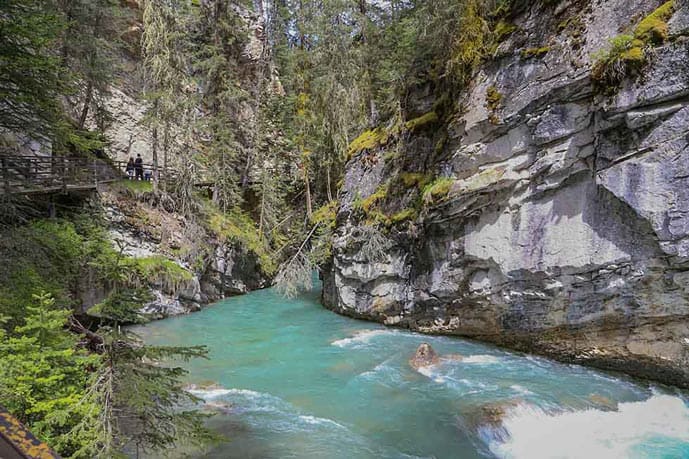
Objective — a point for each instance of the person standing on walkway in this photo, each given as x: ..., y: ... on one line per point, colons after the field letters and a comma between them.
x: 139, y: 167
x: 130, y: 169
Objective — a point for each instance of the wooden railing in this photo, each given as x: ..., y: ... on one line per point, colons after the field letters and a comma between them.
x: 44, y: 174
x: 16, y: 442
x: 30, y: 174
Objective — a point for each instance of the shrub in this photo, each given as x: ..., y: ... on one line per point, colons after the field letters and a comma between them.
x: 403, y: 215
x: 413, y: 179
x: 625, y: 56
x: 326, y: 215
x: 493, y: 98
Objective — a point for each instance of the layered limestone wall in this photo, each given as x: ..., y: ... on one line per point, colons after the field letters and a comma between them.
x: 566, y: 228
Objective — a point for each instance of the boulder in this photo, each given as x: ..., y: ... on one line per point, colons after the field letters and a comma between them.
x: 424, y: 356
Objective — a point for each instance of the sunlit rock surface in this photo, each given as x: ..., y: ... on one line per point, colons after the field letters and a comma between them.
x: 566, y: 230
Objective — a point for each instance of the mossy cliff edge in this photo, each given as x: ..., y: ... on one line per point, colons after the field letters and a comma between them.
x: 546, y: 210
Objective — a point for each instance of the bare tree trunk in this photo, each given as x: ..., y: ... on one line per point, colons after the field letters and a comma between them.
x: 309, y: 210
x: 263, y: 207
x: 166, y: 146
x: 327, y: 176
x: 155, y: 159
x: 87, y: 103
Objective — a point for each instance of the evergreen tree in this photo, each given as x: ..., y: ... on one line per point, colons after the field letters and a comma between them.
x: 30, y: 80
x: 43, y: 376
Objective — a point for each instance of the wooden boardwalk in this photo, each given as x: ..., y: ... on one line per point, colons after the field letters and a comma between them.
x: 35, y: 174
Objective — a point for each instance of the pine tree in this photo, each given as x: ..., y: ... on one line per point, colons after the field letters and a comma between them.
x: 30, y: 80
x: 43, y: 376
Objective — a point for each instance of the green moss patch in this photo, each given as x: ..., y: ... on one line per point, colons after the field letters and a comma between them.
x: 373, y: 200
x: 626, y: 55
x: 438, y: 190
x: 326, y: 215
x: 653, y: 28
x: 421, y: 122
x: 368, y: 140
x: 529, y: 53
x: 237, y: 226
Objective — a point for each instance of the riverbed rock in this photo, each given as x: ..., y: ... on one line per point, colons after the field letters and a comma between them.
x: 424, y: 356
x: 565, y: 229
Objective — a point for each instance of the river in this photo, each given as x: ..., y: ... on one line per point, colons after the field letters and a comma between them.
x: 303, y: 382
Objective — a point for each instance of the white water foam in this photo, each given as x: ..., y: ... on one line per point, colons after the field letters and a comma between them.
x: 520, y: 389
x: 431, y: 371
x: 532, y: 433
x: 313, y: 420
x: 362, y: 337
x: 481, y: 359
x: 209, y: 394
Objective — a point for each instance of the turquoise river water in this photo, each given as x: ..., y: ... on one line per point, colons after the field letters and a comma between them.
x: 297, y: 381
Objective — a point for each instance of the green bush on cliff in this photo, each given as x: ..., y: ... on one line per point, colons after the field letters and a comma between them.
x: 54, y: 256
x: 237, y: 226
x: 626, y: 55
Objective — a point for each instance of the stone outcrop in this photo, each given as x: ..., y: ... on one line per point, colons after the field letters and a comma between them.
x: 217, y: 269
x: 565, y: 230
x: 424, y: 356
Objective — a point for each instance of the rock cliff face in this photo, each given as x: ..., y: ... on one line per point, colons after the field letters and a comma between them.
x: 565, y: 228
x: 215, y: 269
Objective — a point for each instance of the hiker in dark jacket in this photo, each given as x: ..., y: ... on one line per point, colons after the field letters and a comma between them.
x: 139, y: 167
x: 130, y: 168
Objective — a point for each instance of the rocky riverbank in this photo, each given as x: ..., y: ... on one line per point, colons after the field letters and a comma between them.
x: 555, y: 218
x: 214, y: 266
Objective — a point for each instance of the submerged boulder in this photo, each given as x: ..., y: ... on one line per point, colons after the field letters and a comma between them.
x: 425, y: 355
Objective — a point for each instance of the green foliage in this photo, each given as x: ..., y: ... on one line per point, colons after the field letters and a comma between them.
x: 374, y: 199
x: 326, y: 215
x: 142, y: 405
x: 237, y: 226
x: 43, y: 379
x: 413, y: 179
x: 404, y: 215
x: 625, y: 56
x: 368, y: 140
x: 49, y: 255
x: 503, y: 29
x: 493, y: 98
x: 133, y: 187
x: 158, y: 270
x: 438, y: 190
x: 653, y: 28
x: 29, y: 69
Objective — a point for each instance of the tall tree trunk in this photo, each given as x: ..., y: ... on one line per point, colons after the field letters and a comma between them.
x: 263, y: 206
x: 309, y: 210
x: 166, y: 146
x: 155, y: 159
x: 327, y: 176
x: 87, y: 104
